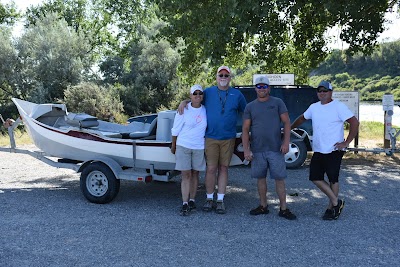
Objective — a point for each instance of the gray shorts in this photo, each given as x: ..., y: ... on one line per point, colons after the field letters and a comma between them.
x: 272, y: 161
x: 189, y: 159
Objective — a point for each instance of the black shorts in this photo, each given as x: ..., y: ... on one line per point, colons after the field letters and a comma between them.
x: 326, y: 163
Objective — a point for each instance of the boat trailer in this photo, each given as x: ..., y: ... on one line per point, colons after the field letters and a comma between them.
x: 100, y: 177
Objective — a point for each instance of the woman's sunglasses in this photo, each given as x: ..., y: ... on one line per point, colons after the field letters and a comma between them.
x: 198, y: 93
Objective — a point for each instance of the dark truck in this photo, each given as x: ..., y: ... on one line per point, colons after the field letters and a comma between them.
x: 297, y: 99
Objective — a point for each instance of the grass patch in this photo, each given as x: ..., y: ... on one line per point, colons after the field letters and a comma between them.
x: 371, y: 130
x: 21, y: 138
x: 370, y: 134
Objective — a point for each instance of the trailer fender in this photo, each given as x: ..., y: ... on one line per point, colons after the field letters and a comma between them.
x: 112, y: 164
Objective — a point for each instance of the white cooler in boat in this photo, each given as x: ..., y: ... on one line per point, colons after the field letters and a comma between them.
x: 165, y: 121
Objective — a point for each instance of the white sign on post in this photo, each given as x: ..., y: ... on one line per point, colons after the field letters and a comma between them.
x: 278, y: 79
x: 387, y: 102
x: 388, y: 105
x: 350, y: 99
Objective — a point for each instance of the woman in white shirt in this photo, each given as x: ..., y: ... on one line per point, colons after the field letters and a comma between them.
x: 188, y: 146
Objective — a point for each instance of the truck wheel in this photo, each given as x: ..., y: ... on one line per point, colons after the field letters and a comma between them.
x: 98, y: 183
x: 297, y: 154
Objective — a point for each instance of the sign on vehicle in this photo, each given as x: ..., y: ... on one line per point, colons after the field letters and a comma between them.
x: 278, y: 79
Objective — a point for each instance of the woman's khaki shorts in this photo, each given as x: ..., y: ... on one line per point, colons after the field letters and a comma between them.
x: 219, y: 152
x: 189, y: 159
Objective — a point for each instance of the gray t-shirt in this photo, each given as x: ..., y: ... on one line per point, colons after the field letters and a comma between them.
x: 265, y: 124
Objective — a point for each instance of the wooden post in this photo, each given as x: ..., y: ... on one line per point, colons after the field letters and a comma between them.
x: 356, y: 143
x: 386, y: 142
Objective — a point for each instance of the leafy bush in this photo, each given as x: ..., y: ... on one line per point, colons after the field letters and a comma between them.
x: 102, y: 102
x: 341, y: 77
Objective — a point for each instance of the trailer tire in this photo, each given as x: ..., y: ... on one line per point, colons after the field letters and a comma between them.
x: 297, y: 154
x: 98, y: 183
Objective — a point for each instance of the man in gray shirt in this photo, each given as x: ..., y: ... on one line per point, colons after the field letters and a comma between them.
x: 263, y: 117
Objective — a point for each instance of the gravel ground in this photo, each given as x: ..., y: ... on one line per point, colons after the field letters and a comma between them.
x: 46, y: 221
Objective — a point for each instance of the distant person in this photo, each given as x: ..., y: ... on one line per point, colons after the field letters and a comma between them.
x: 188, y: 146
x: 263, y: 117
x: 223, y: 104
x: 8, y: 122
x: 328, y: 117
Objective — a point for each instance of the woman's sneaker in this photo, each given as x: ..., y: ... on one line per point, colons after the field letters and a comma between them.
x: 287, y: 214
x: 259, y: 210
x: 185, y: 210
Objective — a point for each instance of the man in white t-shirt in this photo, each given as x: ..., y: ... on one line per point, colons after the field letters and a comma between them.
x: 328, y: 117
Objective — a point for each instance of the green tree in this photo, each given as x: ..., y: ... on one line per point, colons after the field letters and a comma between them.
x: 83, y: 17
x: 108, y: 24
x: 113, y: 69
x: 152, y: 77
x: 9, y: 66
x: 8, y: 14
x: 273, y: 32
x: 149, y: 74
x: 53, y: 57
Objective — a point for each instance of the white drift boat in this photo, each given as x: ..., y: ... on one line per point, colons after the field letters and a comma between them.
x: 81, y: 137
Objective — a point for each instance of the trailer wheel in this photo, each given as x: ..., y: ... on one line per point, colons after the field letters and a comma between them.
x: 297, y: 154
x: 98, y: 183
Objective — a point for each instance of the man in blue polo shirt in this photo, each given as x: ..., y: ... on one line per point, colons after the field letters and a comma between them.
x: 223, y: 104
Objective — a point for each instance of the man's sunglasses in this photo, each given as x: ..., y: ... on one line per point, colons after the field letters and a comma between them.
x: 198, y: 93
x: 265, y: 86
x: 322, y: 91
x: 224, y: 75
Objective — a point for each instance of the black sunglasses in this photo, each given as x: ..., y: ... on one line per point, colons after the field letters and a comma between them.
x: 224, y: 75
x: 322, y: 91
x: 198, y: 93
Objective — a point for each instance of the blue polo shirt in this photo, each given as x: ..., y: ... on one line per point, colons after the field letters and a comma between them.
x: 223, y: 109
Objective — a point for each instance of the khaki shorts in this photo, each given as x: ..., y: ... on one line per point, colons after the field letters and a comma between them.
x: 219, y: 152
x: 189, y: 159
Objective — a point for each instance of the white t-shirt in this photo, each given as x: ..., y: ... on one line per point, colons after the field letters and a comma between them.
x: 327, y: 122
x: 190, y: 127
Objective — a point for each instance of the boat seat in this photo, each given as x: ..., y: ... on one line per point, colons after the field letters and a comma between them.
x: 146, y: 130
x: 82, y: 120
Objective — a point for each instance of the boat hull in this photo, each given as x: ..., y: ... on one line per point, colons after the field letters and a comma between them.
x: 85, y: 145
